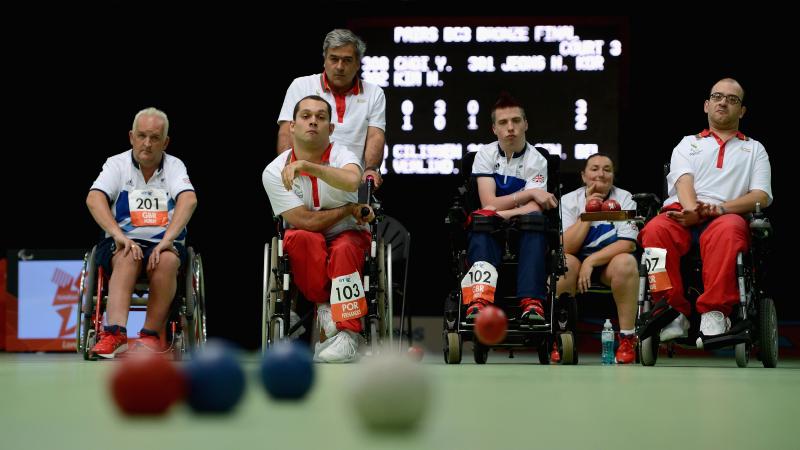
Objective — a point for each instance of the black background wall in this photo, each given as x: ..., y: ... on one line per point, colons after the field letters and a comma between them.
x: 73, y: 84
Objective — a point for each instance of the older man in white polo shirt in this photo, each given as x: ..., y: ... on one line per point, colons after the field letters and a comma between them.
x: 715, y: 176
x: 360, y: 107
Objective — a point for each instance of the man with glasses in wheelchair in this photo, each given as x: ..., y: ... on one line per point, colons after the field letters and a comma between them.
x: 715, y: 177
x: 143, y: 200
x: 512, y: 181
x: 313, y: 186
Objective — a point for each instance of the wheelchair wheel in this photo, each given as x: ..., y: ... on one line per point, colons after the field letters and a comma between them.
x: 742, y: 352
x: 480, y: 352
x: 384, y: 294
x: 85, y: 308
x: 452, y: 348
x: 374, y: 337
x: 270, y: 333
x: 768, y: 333
x: 193, y: 335
x: 567, y: 348
x: 648, y: 351
x: 265, y: 293
x: 544, y: 351
x: 90, y: 340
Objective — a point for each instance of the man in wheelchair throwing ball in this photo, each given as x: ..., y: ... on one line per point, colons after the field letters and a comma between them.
x: 313, y: 186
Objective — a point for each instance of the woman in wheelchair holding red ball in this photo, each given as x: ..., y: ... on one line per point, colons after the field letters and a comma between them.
x: 602, y: 245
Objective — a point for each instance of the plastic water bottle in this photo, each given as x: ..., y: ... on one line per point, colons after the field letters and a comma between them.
x: 607, y: 340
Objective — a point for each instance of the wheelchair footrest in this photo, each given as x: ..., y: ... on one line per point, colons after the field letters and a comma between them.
x: 738, y: 334
x: 726, y: 340
x: 653, y: 321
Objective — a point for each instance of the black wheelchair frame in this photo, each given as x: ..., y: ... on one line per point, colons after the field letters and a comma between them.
x: 754, y: 320
x: 561, y: 318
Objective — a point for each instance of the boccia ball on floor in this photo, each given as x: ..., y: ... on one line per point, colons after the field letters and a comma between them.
x: 146, y: 384
x: 215, y: 379
x: 390, y: 393
x: 287, y: 371
x: 416, y: 353
x: 491, y: 325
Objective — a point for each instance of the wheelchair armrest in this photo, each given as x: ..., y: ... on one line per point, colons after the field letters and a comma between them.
x: 760, y: 228
x: 485, y: 224
x: 647, y: 205
x: 531, y: 222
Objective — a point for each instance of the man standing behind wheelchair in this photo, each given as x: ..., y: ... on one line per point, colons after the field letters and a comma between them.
x: 602, y: 245
x: 143, y: 200
x: 313, y: 186
x: 512, y: 181
x: 715, y: 177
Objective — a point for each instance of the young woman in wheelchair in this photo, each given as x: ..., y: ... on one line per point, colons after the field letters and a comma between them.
x: 602, y: 250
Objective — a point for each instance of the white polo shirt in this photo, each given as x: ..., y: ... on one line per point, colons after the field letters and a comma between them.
x: 722, y: 171
x: 601, y: 233
x: 143, y: 209
x: 362, y: 107
x: 527, y: 169
x: 311, y: 192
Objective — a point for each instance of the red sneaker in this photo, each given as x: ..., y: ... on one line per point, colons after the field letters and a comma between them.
x: 148, y: 343
x: 555, y: 357
x: 474, y: 308
x: 532, y: 310
x: 110, y: 344
x: 626, y: 352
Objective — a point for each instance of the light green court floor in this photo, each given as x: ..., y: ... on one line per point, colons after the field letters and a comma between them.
x: 58, y: 401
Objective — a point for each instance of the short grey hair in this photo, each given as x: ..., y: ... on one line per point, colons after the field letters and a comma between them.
x: 341, y: 37
x: 152, y: 112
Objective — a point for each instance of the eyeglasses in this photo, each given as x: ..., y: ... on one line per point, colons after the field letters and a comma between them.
x: 732, y: 99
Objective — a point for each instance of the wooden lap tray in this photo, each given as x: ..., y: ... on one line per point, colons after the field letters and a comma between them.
x: 608, y: 215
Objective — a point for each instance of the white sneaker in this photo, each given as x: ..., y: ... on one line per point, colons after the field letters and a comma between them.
x: 712, y: 323
x: 342, y: 348
x: 293, y: 319
x: 678, y: 328
x: 325, y: 320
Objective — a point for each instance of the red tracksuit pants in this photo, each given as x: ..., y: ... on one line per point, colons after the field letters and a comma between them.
x: 720, y: 241
x: 315, y: 262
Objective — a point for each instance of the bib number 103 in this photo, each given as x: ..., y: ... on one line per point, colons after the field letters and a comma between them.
x: 347, y: 298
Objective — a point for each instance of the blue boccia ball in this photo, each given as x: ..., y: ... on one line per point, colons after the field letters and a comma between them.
x: 287, y: 371
x: 215, y: 379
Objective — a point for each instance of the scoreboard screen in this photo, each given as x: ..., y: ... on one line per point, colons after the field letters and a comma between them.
x: 442, y: 76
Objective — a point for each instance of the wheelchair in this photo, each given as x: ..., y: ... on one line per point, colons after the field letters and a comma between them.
x: 186, y: 322
x: 559, y: 326
x: 280, y: 297
x: 754, y: 322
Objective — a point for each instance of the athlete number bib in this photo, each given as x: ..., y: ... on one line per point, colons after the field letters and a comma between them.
x: 655, y: 259
x: 347, y: 298
x: 148, y: 207
x: 480, y: 282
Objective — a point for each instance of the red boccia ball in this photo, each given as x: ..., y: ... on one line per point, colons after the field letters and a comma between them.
x: 146, y: 385
x: 491, y: 325
x: 594, y: 205
x: 611, y: 205
x: 416, y: 353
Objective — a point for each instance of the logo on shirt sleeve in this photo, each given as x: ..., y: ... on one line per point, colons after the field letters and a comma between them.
x: 539, y: 178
